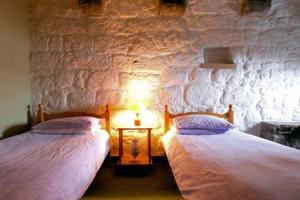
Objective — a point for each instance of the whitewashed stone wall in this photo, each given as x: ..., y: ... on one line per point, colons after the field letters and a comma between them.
x: 81, y: 62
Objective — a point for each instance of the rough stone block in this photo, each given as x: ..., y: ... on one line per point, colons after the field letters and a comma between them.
x: 81, y: 100
x: 108, y: 97
x: 139, y: 92
x: 226, y: 7
x: 39, y: 42
x: 273, y: 23
x: 294, y: 38
x: 242, y: 97
x: 61, y: 26
x: 200, y: 94
x: 252, y: 118
x: 294, y: 20
x: 142, y: 45
x: 83, y: 60
x: 174, y: 77
x: 106, y: 80
x: 229, y: 37
x: 293, y: 53
x: 41, y: 84
x: 134, y: 8
x: 64, y: 78
x: 46, y: 60
x: 189, y: 59
x: 222, y: 76
x: 80, y: 79
x: 168, y: 43
x: 249, y: 22
x: 55, y: 101
x: 273, y: 37
x: 76, y: 60
x: 138, y: 64
x: 149, y: 25
x: 173, y: 97
x: 55, y: 43
x: 204, y: 22
x: 140, y: 81
x: 267, y: 53
x: 111, y: 44
x: 82, y: 43
x: 201, y: 75
x: 108, y: 26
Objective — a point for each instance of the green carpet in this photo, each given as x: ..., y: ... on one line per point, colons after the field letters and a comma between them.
x: 136, y: 183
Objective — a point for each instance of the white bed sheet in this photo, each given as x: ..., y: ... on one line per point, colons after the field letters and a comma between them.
x: 233, y: 165
x: 50, y: 167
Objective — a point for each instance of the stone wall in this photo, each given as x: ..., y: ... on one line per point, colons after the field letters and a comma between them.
x: 83, y: 62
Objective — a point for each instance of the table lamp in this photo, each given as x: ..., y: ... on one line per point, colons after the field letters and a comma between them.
x: 137, y: 107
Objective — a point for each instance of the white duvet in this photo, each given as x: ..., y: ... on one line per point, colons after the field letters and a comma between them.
x: 232, y: 166
x: 50, y: 167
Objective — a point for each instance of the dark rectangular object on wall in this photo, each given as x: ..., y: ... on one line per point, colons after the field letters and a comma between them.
x: 171, y: 7
x: 218, y: 58
x: 90, y: 2
x: 250, y: 6
x: 258, y: 5
x: 172, y: 2
x: 91, y: 7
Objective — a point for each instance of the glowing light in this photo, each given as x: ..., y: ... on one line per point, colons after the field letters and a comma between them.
x: 138, y: 93
x: 125, y: 118
x: 136, y: 98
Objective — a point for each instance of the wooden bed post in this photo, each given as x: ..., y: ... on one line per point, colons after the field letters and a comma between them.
x: 167, y: 120
x: 230, y: 114
x: 107, y: 118
x: 40, y: 113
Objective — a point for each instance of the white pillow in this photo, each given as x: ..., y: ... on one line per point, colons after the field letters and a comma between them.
x: 70, y: 125
x: 198, y: 121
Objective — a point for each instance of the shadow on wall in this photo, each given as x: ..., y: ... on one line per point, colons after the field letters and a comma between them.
x: 19, y: 128
x: 15, y: 130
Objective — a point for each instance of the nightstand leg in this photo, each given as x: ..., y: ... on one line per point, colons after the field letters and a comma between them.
x: 149, y: 145
x: 120, y: 145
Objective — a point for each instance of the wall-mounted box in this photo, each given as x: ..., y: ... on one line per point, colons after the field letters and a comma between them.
x: 250, y: 6
x: 91, y: 7
x: 171, y: 7
x: 219, y: 57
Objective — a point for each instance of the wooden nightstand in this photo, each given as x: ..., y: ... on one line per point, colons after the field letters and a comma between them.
x: 141, y: 159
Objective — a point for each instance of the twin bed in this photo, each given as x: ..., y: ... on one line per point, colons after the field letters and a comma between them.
x: 209, y: 158
x: 58, y: 159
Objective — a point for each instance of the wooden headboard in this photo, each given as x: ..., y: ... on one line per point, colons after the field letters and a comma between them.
x: 43, y: 116
x: 228, y: 115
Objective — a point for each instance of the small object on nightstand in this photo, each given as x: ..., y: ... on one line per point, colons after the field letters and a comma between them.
x: 137, y: 121
x: 134, y: 148
x: 135, y: 158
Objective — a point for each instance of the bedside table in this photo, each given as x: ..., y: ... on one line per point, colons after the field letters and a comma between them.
x: 141, y: 159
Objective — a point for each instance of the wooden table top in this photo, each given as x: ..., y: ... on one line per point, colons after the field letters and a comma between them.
x: 135, y: 128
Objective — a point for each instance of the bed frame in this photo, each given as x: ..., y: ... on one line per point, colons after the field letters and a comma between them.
x: 43, y: 116
x: 229, y: 116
